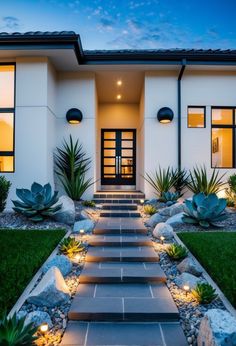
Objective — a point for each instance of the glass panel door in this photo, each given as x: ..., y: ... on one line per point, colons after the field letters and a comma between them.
x: 118, y: 166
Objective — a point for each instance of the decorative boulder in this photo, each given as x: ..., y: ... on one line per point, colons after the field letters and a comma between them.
x: 189, y: 266
x: 172, y: 210
x: 154, y: 219
x: 67, y: 213
x: 83, y: 215
x: 163, y: 230
x: 187, y: 279
x: 217, y: 328
x: 176, y: 219
x: 38, y: 318
x: 61, y: 262
x: 86, y: 225
x: 51, y: 290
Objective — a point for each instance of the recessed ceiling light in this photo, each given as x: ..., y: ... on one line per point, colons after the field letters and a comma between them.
x: 119, y: 82
x: 118, y: 97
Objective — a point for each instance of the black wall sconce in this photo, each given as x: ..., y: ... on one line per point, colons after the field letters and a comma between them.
x: 165, y: 115
x: 74, y: 116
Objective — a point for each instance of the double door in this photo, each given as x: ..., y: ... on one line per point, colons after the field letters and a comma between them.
x: 118, y: 166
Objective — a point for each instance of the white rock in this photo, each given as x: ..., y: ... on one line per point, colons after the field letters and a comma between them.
x: 84, y: 215
x: 164, y: 230
x: 176, y: 219
x: 154, y: 219
x: 217, y: 328
x: 86, y: 225
x: 172, y: 210
x: 189, y: 266
x: 67, y: 213
x: 61, y: 262
x: 51, y: 290
x: 187, y: 279
x: 38, y: 318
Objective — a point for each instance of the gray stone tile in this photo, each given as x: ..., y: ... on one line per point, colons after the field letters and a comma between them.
x: 173, y: 334
x: 124, y: 334
x: 100, y: 275
x: 161, y: 291
x: 151, y: 275
x: 121, y: 290
x: 86, y: 290
x: 122, y: 265
x: 75, y: 334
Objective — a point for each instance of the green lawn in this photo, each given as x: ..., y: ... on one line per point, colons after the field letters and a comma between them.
x: 22, y: 252
x: 216, y: 251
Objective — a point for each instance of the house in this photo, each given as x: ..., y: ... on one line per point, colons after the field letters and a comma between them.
x: 140, y: 109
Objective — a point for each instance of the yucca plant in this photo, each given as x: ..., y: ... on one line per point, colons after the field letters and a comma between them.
x: 161, y: 180
x: 70, y: 246
x: 204, y: 293
x: 4, y: 190
x: 205, y: 210
x: 72, y: 165
x: 180, y: 180
x: 149, y: 209
x: 176, y: 252
x: 37, y: 203
x: 231, y: 191
x: 199, y: 181
x: 14, y: 332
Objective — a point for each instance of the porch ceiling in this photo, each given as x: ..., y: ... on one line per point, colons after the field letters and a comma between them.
x: 130, y: 90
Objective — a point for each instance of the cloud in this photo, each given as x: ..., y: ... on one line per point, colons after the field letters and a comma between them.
x: 9, y: 23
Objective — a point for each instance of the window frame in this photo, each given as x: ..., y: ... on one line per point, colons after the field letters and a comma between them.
x: 195, y: 106
x: 226, y: 126
x: 10, y: 110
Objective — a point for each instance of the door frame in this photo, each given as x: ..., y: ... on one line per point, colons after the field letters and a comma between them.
x: 104, y: 182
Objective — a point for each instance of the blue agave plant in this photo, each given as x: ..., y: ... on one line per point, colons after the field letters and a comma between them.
x: 169, y: 196
x: 205, y: 210
x: 37, y: 203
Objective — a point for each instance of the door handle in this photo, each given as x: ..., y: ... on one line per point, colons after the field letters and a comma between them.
x: 117, y: 165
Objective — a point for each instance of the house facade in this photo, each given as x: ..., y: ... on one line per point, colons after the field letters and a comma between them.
x: 122, y: 96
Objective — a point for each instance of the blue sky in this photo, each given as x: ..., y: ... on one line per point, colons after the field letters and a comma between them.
x: 140, y: 24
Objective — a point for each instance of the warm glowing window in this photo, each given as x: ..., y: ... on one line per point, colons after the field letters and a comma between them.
x: 196, y: 117
x: 7, y: 114
x: 222, y: 137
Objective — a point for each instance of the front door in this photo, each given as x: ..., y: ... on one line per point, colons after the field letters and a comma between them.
x: 118, y: 166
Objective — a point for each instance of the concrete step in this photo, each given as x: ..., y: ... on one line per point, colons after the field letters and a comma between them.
x: 123, y: 309
x: 121, y: 272
x: 117, y: 213
x: 118, y: 206
x: 119, y: 195
x: 118, y: 201
x: 126, y: 333
x: 118, y: 240
x: 117, y: 254
x: 119, y: 231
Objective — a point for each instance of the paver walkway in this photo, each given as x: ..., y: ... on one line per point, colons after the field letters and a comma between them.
x: 122, y: 298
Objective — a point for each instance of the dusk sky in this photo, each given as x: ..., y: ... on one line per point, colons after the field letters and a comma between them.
x: 139, y: 24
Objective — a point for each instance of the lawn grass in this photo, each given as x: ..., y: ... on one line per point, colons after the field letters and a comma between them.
x: 22, y: 252
x: 216, y: 251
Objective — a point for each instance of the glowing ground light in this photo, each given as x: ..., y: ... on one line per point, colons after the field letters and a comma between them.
x: 43, y: 328
x: 162, y: 239
x: 186, y: 288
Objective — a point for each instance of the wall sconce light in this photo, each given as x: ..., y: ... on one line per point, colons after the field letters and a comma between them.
x: 165, y: 115
x: 74, y: 116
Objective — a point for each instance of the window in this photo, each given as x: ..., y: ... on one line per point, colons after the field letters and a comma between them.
x: 7, y: 115
x: 223, y: 137
x: 196, y: 116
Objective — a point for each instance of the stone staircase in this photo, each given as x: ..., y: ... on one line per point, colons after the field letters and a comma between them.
x: 122, y: 298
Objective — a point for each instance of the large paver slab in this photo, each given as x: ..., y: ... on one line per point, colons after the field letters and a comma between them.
x: 119, y: 225
x: 118, y: 240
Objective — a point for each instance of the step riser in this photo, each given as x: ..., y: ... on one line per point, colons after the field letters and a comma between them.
x: 118, y: 231
x: 159, y: 317
x: 121, y: 259
x: 118, y: 280
x: 134, y: 243
x: 119, y: 196
x: 117, y: 201
x: 119, y: 207
x: 114, y: 214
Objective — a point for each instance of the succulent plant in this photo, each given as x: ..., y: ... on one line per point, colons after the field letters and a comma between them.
x: 4, y: 190
x: 204, y: 293
x: 205, y: 210
x: 70, y: 246
x: 14, y: 332
x: 169, y: 196
x: 90, y: 204
x: 37, y: 203
x: 149, y: 209
x: 176, y: 252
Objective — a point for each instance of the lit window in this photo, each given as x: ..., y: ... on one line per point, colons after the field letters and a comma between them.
x: 7, y: 114
x: 196, y: 117
x: 222, y: 137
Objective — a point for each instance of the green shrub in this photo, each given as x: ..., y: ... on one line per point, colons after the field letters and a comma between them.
x: 205, y: 210
x: 13, y: 332
x: 70, y: 246
x: 231, y: 191
x: 200, y: 182
x: 162, y: 180
x: 4, y: 190
x: 176, y: 252
x: 149, y: 209
x: 90, y: 204
x: 37, y: 203
x: 204, y: 293
x: 71, y: 168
